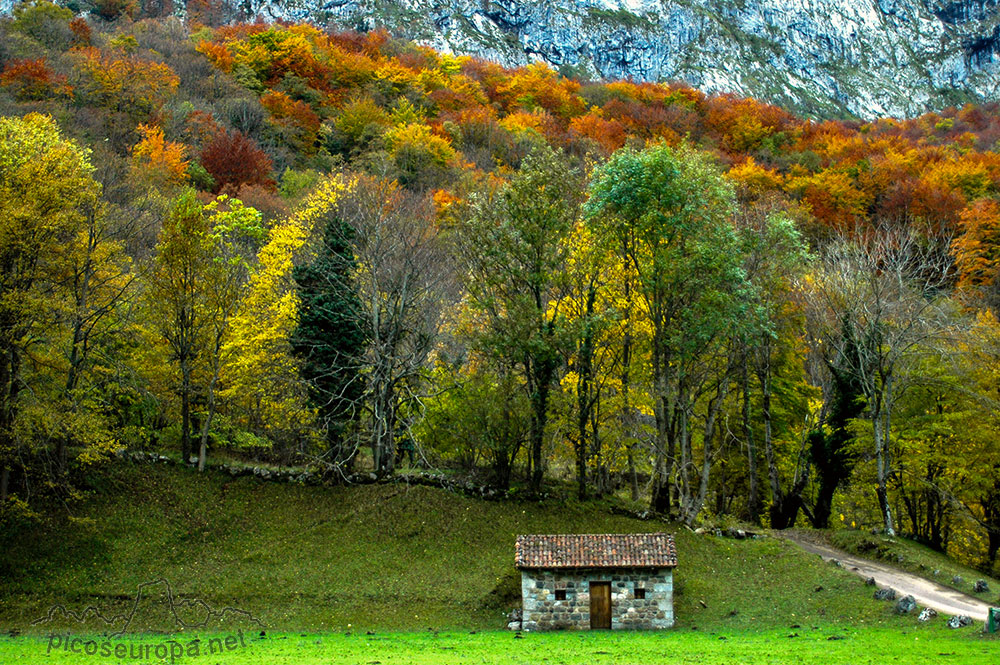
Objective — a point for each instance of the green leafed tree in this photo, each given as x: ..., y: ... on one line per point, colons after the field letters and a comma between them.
x: 514, y: 247
x: 672, y: 212
x: 194, y: 289
x: 329, y: 337
x: 46, y: 187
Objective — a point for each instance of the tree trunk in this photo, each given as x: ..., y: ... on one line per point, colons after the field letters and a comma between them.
x: 185, y: 413
x: 784, y: 507
x: 10, y: 364
x: 661, y: 500
x: 684, y: 470
x: 992, y: 546
x: 633, y: 474
x: 539, y: 372
x: 882, y: 470
x: 698, y: 501
x: 935, y: 517
x: 823, y: 508
x: 785, y: 512
x: 383, y: 426
x: 753, y: 500
x: 583, y: 388
x: 581, y: 465
x: 602, y: 472
x: 206, y: 427
x: 539, y: 418
x: 628, y: 419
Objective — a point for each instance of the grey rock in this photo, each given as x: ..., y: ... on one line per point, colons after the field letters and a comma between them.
x: 870, y: 581
x: 906, y: 604
x: 981, y: 587
x: 960, y: 621
x: 927, y: 614
x: 957, y: 580
x: 514, y: 625
x: 885, y: 594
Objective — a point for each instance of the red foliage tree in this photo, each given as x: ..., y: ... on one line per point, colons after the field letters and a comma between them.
x: 233, y: 158
x: 33, y: 80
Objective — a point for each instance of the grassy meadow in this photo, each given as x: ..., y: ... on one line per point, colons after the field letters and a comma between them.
x: 427, y: 572
x: 822, y: 645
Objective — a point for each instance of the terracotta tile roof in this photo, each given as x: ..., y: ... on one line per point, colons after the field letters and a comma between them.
x: 632, y: 550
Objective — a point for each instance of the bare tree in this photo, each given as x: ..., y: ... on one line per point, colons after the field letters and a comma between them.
x: 403, y: 282
x: 873, y: 303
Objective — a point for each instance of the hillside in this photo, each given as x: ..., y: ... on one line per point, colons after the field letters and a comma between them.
x: 826, y: 58
x: 830, y: 57
x: 378, y: 557
x: 291, y: 245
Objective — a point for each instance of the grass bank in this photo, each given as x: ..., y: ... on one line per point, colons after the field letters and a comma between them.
x: 377, y: 557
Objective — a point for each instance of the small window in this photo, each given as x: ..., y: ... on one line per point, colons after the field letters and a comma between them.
x: 640, y: 594
x: 560, y: 594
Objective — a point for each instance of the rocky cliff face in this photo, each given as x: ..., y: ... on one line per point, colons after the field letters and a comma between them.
x: 823, y: 57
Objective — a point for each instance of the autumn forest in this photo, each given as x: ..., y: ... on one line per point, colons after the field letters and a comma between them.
x: 283, y: 245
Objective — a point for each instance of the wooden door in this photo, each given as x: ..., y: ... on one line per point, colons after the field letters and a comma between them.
x: 600, y: 605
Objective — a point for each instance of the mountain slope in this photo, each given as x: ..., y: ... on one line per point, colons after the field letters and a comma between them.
x: 824, y: 57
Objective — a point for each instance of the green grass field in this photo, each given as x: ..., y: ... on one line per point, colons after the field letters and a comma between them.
x: 421, y: 568
x: 825, y: 644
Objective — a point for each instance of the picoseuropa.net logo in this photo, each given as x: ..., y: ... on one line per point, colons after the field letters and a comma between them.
x: 154, y: 608
x: 172, y: 650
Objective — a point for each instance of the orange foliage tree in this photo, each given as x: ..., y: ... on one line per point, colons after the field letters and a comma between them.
x: 609, y: 134
x: 161, y: 160
x: 977, y: 247
x: 123, y: 82
x: 294, y: 117
x: 539, y: 86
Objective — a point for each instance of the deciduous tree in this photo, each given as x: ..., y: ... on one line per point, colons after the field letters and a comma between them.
x: 46, y: 189
x: 672, y: 211
x: 514, y: 251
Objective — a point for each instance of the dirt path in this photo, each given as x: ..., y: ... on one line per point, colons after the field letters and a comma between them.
x: 927, y: 594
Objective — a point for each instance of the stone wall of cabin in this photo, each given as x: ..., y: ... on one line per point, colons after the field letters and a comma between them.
x: 541, y: 610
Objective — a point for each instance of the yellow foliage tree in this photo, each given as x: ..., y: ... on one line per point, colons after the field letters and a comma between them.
x: 261, y: 375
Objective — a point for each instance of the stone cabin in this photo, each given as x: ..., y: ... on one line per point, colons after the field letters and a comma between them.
x: 611, y: 581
